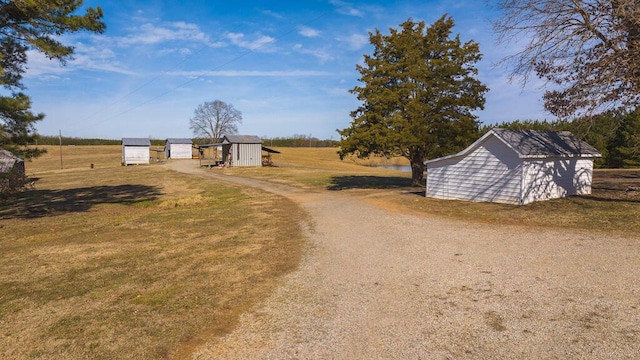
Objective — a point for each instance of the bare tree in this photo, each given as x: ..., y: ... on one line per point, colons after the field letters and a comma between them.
x: 214, y: 119
x: 588, y: 51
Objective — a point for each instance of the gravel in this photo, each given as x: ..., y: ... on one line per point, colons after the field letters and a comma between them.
x: 376, y: 284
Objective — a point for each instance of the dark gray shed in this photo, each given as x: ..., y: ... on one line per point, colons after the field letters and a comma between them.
x: 242, y: 150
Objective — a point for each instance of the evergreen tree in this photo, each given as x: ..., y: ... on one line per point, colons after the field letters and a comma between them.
x: 33, y: 25
x: 624, y: 147
x: 418, y: 93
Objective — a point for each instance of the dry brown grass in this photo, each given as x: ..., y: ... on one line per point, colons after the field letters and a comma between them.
x: 614, y: 205
x: 134, y: 262
x: 141, y: 262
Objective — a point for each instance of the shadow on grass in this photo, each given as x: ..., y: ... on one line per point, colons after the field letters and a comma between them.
x: 368, y: 182
x: 39, y: 203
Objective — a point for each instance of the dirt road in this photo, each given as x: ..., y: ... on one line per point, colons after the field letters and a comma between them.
x: 383, y: 285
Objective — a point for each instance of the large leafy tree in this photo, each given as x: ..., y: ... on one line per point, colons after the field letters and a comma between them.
x: 587, y: 50
x: 214, y: 119
x: 33, y: 25
x: 418, y: 94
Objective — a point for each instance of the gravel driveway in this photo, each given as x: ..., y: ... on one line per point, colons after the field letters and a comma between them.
x: 377, y: 284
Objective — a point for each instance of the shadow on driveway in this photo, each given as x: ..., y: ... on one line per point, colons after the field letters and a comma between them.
x: 368, y: 182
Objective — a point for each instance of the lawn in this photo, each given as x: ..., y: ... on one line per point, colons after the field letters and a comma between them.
x: 613, y: 206
x: 133, y: 262
x: 105, y: 261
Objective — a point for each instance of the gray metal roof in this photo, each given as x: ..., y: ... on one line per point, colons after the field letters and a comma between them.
x: 539, y: 143
x: 242, y: 139
x: 271, y: 151
x: 179, y: 141
x: 136, y: 141
x: 533, y: 144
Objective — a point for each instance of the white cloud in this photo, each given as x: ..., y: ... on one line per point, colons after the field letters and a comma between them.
x: 250, y: 73
x: 149, y: 34
x: 273, y: 14
x: 85, y: 58
x: 345, y: 8
x: 308, y: 32
x: 239, y: 40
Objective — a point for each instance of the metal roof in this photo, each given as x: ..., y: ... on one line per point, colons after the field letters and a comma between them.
x: 539, y: 143
x: 271, y: 151
x: 242, y: 139
x: 532, y: 144
x: 136, y: 141
x: 179, y: 141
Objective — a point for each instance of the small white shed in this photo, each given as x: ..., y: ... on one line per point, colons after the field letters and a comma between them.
x: 178, y: 149
x: 135, y: 151
x: 241, y: 150
x: 514, y: 167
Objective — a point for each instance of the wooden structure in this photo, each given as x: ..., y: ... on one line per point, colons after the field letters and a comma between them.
x: 210, y: 155
x: 266, y: 158
x: 12, y: 170
x: 135, y: 151
x: 178, y: 149
x: 514, y: 167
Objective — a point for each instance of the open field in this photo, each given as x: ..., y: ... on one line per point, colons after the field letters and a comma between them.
x: 133, y: 262
x: 613, y: 206
x: 144, y: 262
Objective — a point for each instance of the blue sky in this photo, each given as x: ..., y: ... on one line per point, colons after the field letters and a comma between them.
x: 286, y: 65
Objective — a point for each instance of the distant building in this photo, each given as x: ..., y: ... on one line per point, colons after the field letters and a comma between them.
x: 514, y: 167
x: 178, y: 149
x: 241, y: 150
x: 135, y: 151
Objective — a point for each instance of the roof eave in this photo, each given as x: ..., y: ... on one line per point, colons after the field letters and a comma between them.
x: 471, y: 147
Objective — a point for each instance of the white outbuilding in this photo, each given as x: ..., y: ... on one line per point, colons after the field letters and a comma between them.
x: 178, y: 149
x: 135, y: 151
x: 514, y: 167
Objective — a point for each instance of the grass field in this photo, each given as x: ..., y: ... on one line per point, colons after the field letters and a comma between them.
x: 613, y: 206
x: 133, y: 262
x: 141, y: 262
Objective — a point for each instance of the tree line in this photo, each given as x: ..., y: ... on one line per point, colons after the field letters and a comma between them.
x: 291, y: 141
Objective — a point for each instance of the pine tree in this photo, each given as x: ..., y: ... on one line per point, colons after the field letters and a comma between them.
x: 35, y: 25
x: 419, y: 90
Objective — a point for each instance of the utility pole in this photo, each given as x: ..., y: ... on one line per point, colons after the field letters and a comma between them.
x: 60, y: 141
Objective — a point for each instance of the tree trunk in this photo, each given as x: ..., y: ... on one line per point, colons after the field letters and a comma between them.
x: 417, y: 171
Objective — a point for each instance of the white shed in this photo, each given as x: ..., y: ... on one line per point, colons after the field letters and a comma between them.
x: 242, y: 150
x: 178, y: 149
x: 135, y: 151
x: 514, y: 167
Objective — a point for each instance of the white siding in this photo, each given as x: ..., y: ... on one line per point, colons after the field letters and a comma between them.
x: 246, y: 155
x: 552, y: 179
x: 178, y: 151
x: 135, y: 155
x: 491, y: 172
